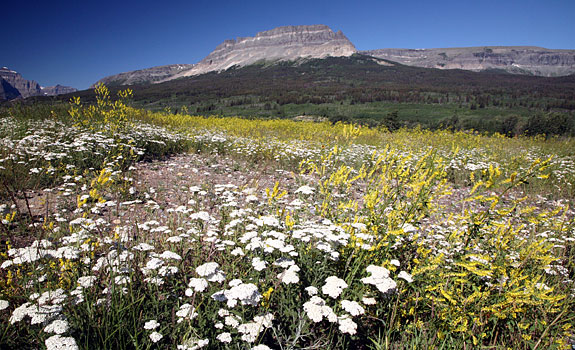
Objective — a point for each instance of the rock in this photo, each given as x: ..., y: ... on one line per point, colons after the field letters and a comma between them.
x: 57, y: 90
x: 13, y: 86
x: 145, y: 76
x: 7, y: 91
x: 25, y: 88
x: 512, y: 59
x: 279, y: 44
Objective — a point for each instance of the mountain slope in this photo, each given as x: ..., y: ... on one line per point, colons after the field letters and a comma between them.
x: 282, y: 43
x: 25, y: 88
x: 145, y: 76
x: 13, y: 86
x: 359, y: 77
x: 279, y: 44
x: 512, y: 59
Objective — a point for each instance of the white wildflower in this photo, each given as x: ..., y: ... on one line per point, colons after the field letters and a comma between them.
x: 86, y: 281
x: 258, y: 264
x: 237, y: 252
x: 155, y: 337
x: 224, y: 337
x: 151, y: 324
x: 57, y: 327
x: 232, y: 321
x: 197, y: 284
x: 261, y: 347
x: 223, y: 312
x: 406, y: 276
x: 174, y: 239
x: 186, y: 312
x: 168, y: 271
x: 333, y: 286
x: 4, y: 304
x: 290, y: 275
x: 352, y: 307
x: 380, y: 278
x: 193, y: 344
x: 211, y: 272
x: 154, y: 264
x: 58, y: 342
x: 311, y: 291
x: 305, y: 190
x: 316, y: 310
x: 346, y: 325
x: 170, y: 255
x: 202, y: 215
x: 368, y: 301
x: 246, y: 293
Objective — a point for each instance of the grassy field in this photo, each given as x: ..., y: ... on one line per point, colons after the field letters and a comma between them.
x: 130, y: 229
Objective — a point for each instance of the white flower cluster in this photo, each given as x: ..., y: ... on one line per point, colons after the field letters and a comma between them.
x: 333, y: 286
x: 245, y: 293
x: 211, y: 271
x: 380, y: 278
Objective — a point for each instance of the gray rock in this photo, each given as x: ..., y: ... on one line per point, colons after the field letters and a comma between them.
x: 282, y: 43
x: 57, y: 90
x: 528, y: 60
x: 26, y: 88
x: 7, y: 91
x: 145, y: 76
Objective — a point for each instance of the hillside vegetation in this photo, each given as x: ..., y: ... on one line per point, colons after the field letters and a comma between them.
x: 372, y: 92
x: 124, y: 228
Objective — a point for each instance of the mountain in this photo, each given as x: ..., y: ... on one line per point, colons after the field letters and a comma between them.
x: 527, y: 60
x: 145, y: 76
x: 13, y: 86
x: 25, y: 88
x: 287, y: 43
x: 291, y: 43
x: 279, y: 44
x: 7, y: 91
x: 57, y: 90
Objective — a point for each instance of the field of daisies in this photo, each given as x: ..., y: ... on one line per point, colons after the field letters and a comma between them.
x: 126, y: 229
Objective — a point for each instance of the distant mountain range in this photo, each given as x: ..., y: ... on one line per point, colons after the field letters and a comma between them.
x: 14, y: 86
x: 291, y: 43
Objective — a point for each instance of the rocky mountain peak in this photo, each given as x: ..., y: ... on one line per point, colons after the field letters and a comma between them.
x: 281, y: 43
x: 15, y: 81
x: 13, y: 86
x: 529, y: 60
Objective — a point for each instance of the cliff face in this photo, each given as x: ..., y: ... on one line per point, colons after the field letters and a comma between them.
x: 13, y: 86
x: 319, y: 41
x: 25, y: 88
x: 282, y: 43
x: 513, y: 59
x: 57, y: 90
x: 145, y: 76
x: 7, y: 91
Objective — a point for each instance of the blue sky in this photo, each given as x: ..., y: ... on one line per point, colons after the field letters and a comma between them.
x: 76, y: 43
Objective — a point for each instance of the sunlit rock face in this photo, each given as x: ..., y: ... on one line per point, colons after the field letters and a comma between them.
x: 282, y: 43
x: 512, y: 59
x: 145, y: 76
x: 15, y: 86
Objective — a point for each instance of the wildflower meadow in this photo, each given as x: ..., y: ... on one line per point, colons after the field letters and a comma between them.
x: 127, y: 229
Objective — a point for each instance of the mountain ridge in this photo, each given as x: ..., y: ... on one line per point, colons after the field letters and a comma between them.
x: 319, y: 41
x: 14, y: 86
x: 527, y: 60
x: 279, y: 44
